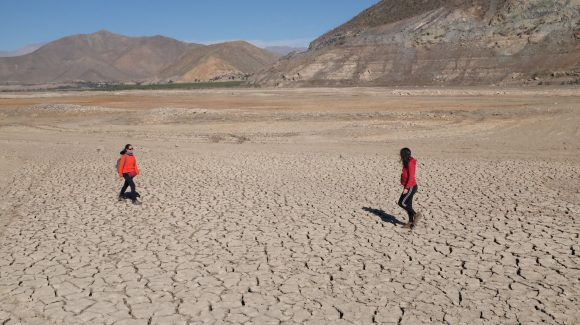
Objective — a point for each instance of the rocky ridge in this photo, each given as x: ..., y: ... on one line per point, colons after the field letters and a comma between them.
x: 441, y: 43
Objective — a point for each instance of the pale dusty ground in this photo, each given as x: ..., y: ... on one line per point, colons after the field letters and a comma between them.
x: 278, y: 206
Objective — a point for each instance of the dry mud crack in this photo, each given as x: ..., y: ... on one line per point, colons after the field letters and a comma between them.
x: 290, y: 239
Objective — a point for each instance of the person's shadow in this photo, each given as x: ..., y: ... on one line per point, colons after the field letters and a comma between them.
x: 385, y: 217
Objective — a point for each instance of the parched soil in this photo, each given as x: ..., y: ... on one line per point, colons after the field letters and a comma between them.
x: 279, y: 207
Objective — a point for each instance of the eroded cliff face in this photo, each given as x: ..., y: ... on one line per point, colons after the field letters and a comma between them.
x: 441, y: 43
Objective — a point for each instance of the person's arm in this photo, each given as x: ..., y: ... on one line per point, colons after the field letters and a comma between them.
x: 136, y: 168
x: 122, y: 165
x: 411, y: 171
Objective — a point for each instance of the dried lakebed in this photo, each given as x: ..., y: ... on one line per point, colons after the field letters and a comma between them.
x: 289, y: 238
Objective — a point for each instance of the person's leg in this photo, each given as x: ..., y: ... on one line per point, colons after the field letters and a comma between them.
x: 416, y: 216
x: 133, y: 192
x: 406, y: 202
x: 409, y: 203
x: 400, y: 202
x: 125, y: 185
x: 132, y: 185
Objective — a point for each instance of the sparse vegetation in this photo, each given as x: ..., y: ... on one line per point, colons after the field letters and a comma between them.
x: 88, y: 86
x: 195, y: 85
x: 138, y: 86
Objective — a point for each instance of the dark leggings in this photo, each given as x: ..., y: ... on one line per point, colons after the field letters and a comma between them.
x: 406, y: 202
x: 128, y: 182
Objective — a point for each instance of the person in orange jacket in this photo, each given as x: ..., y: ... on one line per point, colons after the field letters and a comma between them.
x: 409, y: 187
x: 128, y: 170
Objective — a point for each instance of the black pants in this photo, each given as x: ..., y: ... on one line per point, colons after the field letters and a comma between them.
x: 129, y: 182
x: 406, y: 202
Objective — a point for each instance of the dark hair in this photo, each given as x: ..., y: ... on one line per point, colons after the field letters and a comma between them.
x: 405, y: 156
x: 124, y: 151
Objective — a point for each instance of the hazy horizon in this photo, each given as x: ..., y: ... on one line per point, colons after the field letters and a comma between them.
x: 262, y: 23
x: 293, y: 44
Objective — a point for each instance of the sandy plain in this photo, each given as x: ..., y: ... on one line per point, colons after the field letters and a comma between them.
x: 279, y: 207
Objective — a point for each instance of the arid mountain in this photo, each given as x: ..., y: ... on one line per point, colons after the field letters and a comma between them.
x: 108, y: 57
x: 437, y: 42
x: 284, y: 50
x: 225, y: 61
x: 23, y: 51
x: 102, y: 56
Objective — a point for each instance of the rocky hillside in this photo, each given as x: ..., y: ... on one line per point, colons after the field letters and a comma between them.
x: 437, y: 42
x: 225, y: 61
x: 284, y: 50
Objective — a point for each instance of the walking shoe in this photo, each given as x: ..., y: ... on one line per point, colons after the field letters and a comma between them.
x: 408, y: 225
x: 136, y: 202
x: 121, y: 198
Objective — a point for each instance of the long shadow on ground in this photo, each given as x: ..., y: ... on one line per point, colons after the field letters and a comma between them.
x: 385, y: 217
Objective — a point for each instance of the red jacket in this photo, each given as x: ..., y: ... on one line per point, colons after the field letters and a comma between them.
x: 408, y: 175
x: 128, y: 165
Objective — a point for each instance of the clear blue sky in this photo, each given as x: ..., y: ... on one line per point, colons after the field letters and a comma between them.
x: 267, y: 22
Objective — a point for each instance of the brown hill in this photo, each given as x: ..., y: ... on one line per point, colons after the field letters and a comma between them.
x: 231, y: 60
x: 461, y: 42
x: 102, y: 56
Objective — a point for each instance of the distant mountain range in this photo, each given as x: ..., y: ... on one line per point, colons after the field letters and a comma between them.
x: 393, y: 43
x: 25, y: 50
x: 108, y: 57
x: 278, y: 50
x: 441, y: 42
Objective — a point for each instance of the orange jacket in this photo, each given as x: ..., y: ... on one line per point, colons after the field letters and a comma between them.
x: 128, y: 165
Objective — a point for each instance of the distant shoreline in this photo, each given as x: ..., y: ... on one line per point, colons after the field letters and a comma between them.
x: 119, y: 87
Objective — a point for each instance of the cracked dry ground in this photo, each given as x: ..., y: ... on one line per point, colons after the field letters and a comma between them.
x: 291, y: 238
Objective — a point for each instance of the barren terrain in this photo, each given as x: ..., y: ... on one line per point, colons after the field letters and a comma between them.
x: 279, y: 207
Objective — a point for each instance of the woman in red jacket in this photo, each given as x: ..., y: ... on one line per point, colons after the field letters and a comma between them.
x: 128, y: 170
x: 409, y: 187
